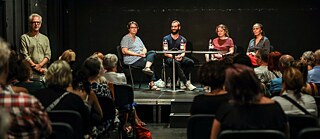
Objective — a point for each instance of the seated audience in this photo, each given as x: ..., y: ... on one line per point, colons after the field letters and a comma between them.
x: 69, y: 56
x: 308, y: 58
x: 24, y: 78
x: 82, y: 88
x: 248, y: 107
x: 58, y: 78
x: 211, y: 74
x: 273, y: 68
x: 262, y: 61
x: 27, y: 116
x: 314, y: 74
x: 13, y: 71
x: 110, y: 64
x: 292, y: 83
x: 309, y: 88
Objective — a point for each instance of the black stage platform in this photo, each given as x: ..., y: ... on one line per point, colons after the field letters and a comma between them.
x: 155, y: 106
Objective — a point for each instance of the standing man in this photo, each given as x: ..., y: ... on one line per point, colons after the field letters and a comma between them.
x: 175, y: 42
x: 35, y: 47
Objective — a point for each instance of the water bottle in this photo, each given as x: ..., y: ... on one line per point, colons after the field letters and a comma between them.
x: 168, y: 82
x: 210, y: 45
x: 165, y: 45
x: 182, y: 43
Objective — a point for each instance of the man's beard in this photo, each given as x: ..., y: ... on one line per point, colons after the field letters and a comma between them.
x: 176, y: 32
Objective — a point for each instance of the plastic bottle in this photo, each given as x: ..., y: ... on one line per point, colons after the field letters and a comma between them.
x: 165, y: 45
x: 182, y: 44
x: 168, y: 82
x: 210, y: 45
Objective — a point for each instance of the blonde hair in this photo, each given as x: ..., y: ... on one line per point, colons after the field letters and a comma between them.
x: 59, y: 74
x: 224, y: 27
x: 68, y: 55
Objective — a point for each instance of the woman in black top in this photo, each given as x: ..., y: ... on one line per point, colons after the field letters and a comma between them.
x: 210, y: 74
x: 248, y: 108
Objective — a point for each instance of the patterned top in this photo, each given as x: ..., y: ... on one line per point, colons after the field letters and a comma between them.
x: 29, y: 120
x: 135, y: 46
x: 101, y: 89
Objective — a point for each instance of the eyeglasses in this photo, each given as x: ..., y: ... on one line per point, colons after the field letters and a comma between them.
x: 134, y: 27
x: 35, y: 22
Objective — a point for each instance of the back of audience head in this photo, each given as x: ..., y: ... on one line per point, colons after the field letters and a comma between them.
x: 213, y: 74
x: 302, y: 67
x: 308, y: 58
x: 99, y: 55
x: 13, y: 67
x: 285, y: 61
x: 4, y: 61
x: 91, y: 67
x: 59, y: 74
x: 110, y: 62
x: 25, y: 70
x: 262, y: 54
x: 68, y: 55
x: 242, y: 59
x: 243, y: 84
x: 273, y: 61
x: 317, y: 57
x: 292, y: 80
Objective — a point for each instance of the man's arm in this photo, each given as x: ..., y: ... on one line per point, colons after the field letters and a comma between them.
x: 24, y: 51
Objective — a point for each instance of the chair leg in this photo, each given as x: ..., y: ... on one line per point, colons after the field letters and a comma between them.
x: 132, y: 82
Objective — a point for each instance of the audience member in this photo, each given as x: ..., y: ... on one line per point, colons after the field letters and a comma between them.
x: 110, y: 64
x: 24, y: 78
x: 100, y: 78
x: 262, y: 61
x: 242, y: 59
x: 28, y: 118
x: 58, y: 78
x: 13, y: 71
x: 69, y: 56
x: 314, y: 74
x: 82, y: 88
x: 90, y: 71
x: 136, y: 54
x: 310, y: 88
x: 35, y: 47
x: 292, y: 82
x: 248, y: 108
x: 211, y: 74
x: 308, y: 58
x: 183, y: 64
x: 273, y: 68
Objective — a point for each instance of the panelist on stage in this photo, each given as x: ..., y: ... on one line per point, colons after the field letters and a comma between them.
x: 221, y: 43
x: 135, y: 53
x: 175, y: 41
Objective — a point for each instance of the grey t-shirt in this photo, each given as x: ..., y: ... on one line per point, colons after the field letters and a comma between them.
x: 135, y: 46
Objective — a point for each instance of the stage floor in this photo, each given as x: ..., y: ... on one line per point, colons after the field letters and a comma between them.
x: 143, y: 96
x: 155, y: 106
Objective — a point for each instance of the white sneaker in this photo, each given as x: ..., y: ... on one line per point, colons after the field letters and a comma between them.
x: 190, y: 86
x: 182, y: 86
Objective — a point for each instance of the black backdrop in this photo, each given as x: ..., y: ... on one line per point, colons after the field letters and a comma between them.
x: 98, y: 25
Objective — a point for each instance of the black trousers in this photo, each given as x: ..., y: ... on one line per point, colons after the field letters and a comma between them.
x: 182, y: 68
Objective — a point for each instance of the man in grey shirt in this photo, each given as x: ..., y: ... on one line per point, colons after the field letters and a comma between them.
x: 35, y: 47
